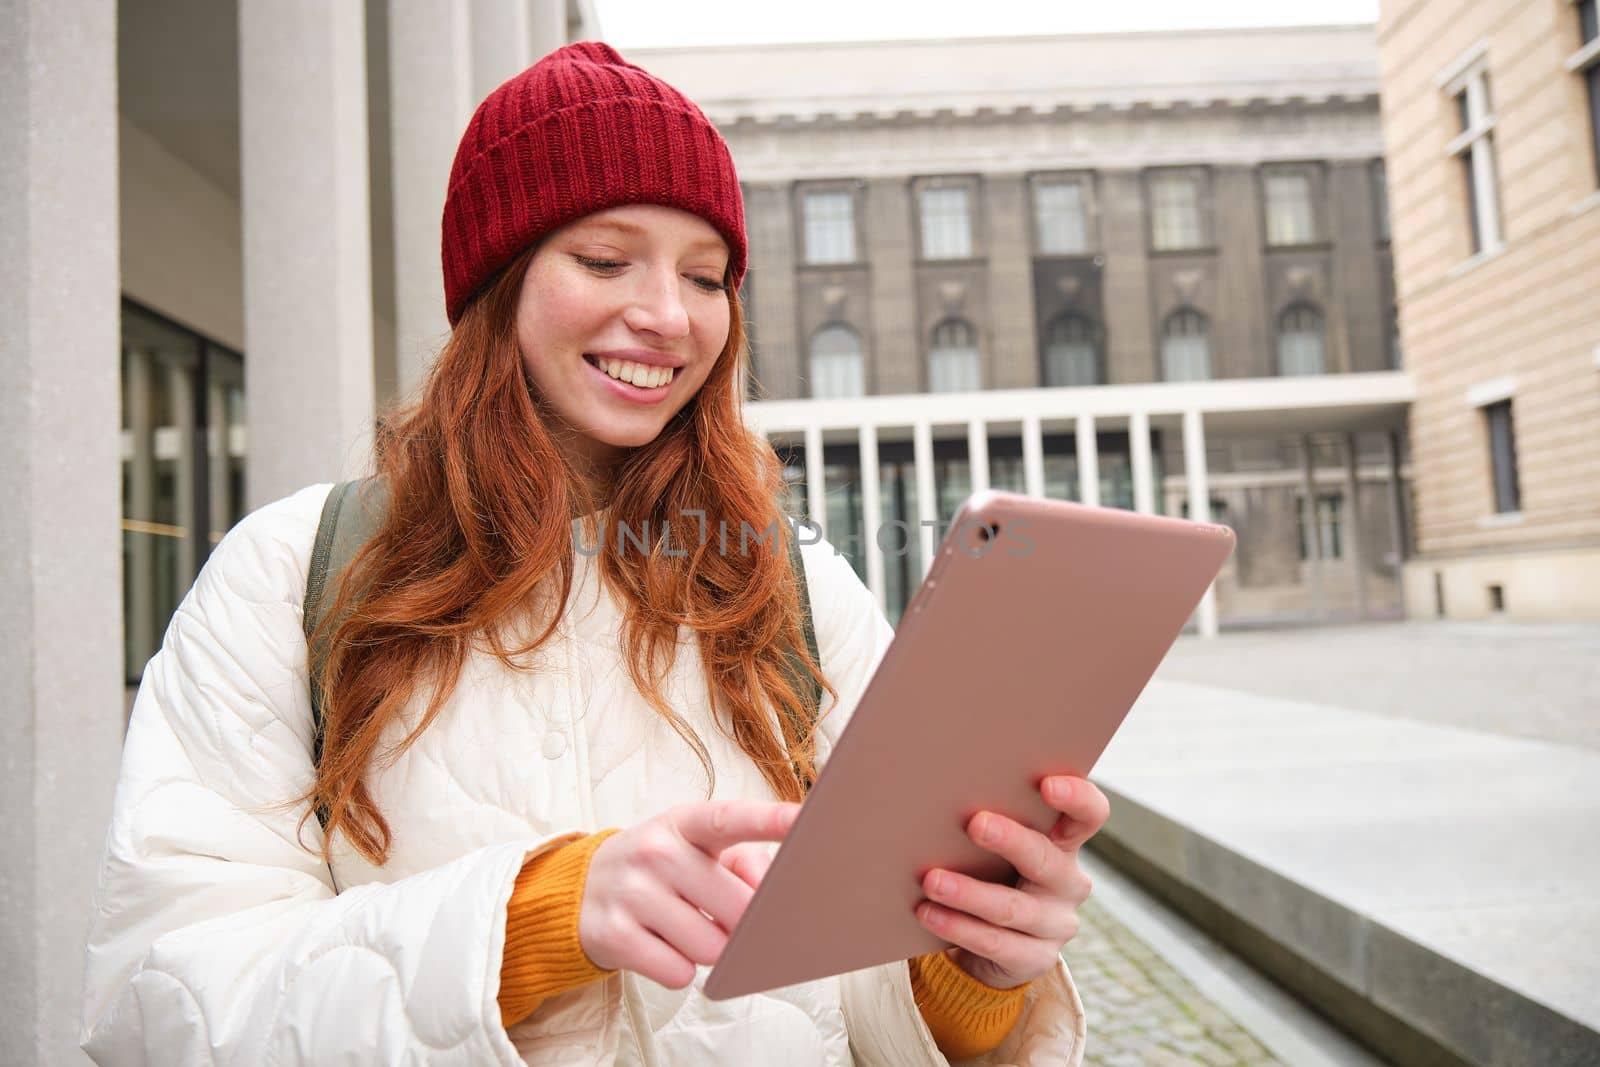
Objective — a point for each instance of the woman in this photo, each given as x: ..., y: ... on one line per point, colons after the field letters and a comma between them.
x: 524, y: 831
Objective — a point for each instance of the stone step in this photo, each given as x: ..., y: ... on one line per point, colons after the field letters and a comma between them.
x: 1433, y: 890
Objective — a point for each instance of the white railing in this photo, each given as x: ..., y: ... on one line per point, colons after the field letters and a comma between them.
x: 1343, y: 403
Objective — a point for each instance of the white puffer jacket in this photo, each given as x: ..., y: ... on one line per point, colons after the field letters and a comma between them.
x: 220, y: 938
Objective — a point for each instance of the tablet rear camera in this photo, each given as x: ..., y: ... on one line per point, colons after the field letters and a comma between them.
x: 988, y: 531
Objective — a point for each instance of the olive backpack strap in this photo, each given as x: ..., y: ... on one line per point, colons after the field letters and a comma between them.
x: 811, y: 689
x: 351, y: 514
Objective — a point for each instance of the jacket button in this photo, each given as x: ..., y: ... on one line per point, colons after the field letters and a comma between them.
x: 555, y: 743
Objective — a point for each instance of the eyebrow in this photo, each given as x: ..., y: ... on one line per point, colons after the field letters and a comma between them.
x: 714, y: 244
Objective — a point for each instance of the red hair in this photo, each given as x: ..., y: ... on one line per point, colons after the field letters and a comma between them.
x: 479, y: 527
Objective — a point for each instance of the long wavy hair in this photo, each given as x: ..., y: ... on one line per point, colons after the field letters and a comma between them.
x: 478, y: 533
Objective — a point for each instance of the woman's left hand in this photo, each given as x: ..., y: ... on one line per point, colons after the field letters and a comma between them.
x: 1006, y: 936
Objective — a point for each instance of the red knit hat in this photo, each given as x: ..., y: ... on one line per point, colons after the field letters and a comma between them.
x: 579, y: 131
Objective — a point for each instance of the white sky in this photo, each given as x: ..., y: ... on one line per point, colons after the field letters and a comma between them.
x: 667, y: 23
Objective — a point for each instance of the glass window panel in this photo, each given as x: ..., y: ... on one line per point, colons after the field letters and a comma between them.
x: 1503, y: 457
x: 1185, y: 347
x: 946, y: 224
x: 1290, y: 219
x: 1175, y: 211
x: 1300, y: 341
x: 953, y: 362
x: 830, y: 228
x: 1061, y: 218
x: 836, y: 363
x: 1070, y: 357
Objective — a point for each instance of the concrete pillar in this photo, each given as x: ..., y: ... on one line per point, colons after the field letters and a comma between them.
x: 547, y: 27
x: 1198, y: 482
x: 502, y: 37
x: 1088, y: 462
x: 896, y: 351
x: 1032, y: 456
x: 978, y: 454
x: 772, y: 314
x: 872, y: 514
x: 430, y: 102
x: 1352, y: 523
x: 61, y: 693
x: 816, y: 487
x: 1144, y: 485
x: 1132, y: 353
x: 1309, y: 517
x: 927, y: 507
x: 307, y: 243
x: 1014, y: 360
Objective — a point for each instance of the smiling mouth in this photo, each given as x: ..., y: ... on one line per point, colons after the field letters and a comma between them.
x: 639, y: 375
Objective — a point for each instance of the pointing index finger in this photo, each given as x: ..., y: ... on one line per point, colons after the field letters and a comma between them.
x: 714, y: 827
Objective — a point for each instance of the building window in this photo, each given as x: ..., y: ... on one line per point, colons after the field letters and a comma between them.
x: 1503, y: 457
x: 1291, y: 219
x: 1185, y: 347
x: 953, y: 360
x: 1300, y: 341
x: 1380, y: 197
x: 1061, y: 218
x: 837, y: 366
x: 946, y: 223
x: 1329, y: 533
x: 1473, y: 149
x: 1586, y: 62
x: 830, y: 227
x: 183, y: 469
x: 1070, y: 358
x: 1176, y: 221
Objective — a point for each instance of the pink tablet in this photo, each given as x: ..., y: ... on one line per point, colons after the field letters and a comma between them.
x: 1034, y: 632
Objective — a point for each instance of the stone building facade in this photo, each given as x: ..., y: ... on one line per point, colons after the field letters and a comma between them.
x: 1016, y: 214
x: 1492, y: 113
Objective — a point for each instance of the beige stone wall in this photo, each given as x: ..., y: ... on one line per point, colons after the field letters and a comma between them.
x: 1530, y: 312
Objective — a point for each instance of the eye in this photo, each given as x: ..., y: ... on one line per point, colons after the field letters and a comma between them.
x: 710, y: 285
x: 600, y: 266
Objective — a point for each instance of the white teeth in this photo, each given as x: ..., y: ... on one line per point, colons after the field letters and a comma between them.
x: 637, y: 374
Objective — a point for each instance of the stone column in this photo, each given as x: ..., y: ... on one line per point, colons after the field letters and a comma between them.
x: 502, y: 37
x: 1199, y: 486
x: 307, y: 243
x: 773, y: 324
x: 547, y: 27
x: 895, y: 350
x: 1014, y: 361
x: 1131, y: 354
x: 430, y: 101
x: 61, y: 693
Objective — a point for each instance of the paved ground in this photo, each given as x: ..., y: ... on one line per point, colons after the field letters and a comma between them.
x: 1142, y: 1012
x: 1534, y: 680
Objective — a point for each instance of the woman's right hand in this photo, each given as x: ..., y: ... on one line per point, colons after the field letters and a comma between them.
x: 651, y: 887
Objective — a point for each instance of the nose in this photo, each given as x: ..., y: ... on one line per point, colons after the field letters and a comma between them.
x: 658, y: 306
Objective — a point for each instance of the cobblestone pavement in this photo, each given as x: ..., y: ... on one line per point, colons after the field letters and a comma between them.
x: 1141, y: 1012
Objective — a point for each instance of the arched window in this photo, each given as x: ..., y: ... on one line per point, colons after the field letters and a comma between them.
x: 836, y: 363
x: 953, y: 360
x: 1070, y: 357
x: 1185, y: 347
x: 1300, y: 340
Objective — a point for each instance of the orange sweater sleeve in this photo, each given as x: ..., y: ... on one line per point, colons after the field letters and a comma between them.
x: 965, y: 1016
x: 543, y: 956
